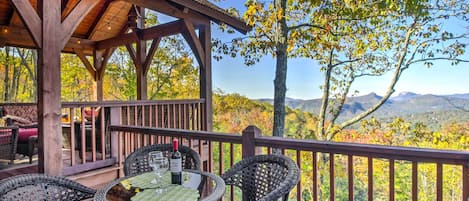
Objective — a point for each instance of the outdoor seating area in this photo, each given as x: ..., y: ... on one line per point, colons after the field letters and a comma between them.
x: 21, y: 122
x: 262, y: 177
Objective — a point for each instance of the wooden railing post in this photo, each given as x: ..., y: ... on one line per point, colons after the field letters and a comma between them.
x: 249, y: 141
x: 115, y: 115
x: 465, y: 185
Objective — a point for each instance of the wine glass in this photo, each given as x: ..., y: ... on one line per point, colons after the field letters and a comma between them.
x: 159, y: 163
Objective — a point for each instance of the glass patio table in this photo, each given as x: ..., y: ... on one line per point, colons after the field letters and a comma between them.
x: 197, y: 186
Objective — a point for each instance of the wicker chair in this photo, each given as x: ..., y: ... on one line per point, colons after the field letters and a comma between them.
x: 43, y: 187
x: 264, y: 177
x: 8, y: 143
x: 137, y: 161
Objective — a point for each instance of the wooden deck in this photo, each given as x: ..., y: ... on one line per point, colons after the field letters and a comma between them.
x: 17, y: 170
x: 21, y: 165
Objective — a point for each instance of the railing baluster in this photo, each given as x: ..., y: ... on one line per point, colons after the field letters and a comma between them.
x: 135, y: 116
x: 210, y: 156
x: 157, y: 116
x: 332, y: 176
x: 143, y: 115
x: 93, y: 134
x: 315, y: 176
x: 120, y: 149
x: 298, y: 186
x: 370, y: 179
x: 350, y: 177
x: 128, y: 115
x: 231, y: 165
x: 439, y: 182
x: 391, y: 179
x: 104, y: 140
x: 72, y: 137
x: 414, y: 181
x: 465, y: 183
x: 83, y: 137
x: 220, y: 158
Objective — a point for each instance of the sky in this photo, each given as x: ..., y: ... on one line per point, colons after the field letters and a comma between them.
x: 231, y: 75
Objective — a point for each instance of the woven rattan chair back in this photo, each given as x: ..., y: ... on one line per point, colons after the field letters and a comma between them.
x: 264, y: 177
x: 137, y: 162
x: 43, y: 187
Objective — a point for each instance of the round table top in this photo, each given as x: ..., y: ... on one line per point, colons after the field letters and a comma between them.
x: 209, y: 186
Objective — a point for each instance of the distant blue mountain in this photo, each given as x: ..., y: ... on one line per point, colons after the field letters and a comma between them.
x: 404, y: 104
x: 403, y: 96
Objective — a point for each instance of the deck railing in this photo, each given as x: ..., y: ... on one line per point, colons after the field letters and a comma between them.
x: 87, y: 141
x: 329, y: 170
x: 94, y: 145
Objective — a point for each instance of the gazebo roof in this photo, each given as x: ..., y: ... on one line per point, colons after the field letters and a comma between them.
x: 109, y: 19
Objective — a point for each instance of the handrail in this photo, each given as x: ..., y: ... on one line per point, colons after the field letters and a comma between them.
x: 202, y: 135
x: 252, y: 143
x: 116, y: 103
x: 357, y: 149
x: 377, y: 151
x: 130, y: 103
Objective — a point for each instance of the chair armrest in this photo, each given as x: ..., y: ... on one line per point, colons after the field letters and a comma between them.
x: 34, y: 125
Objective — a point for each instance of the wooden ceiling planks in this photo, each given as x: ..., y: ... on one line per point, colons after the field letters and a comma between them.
x: 112, y: 21
x: 108, y: 20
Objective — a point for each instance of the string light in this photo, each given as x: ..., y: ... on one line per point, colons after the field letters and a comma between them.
x: 79, y: 42
x: 5, y: 30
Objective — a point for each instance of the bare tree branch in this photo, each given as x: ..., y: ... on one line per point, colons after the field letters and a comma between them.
x: 390, y: 91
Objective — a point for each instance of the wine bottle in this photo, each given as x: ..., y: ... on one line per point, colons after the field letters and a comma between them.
x: 176, y: 164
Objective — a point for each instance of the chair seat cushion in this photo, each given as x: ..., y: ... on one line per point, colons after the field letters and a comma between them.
x: 25, y: 133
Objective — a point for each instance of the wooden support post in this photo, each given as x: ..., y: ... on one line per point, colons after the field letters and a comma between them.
x: 49, y: 105
x: 206, y: 76
x: 142, y: 89
x: 465, y: 179
x: 115, y: 115
x: 50, y: 34
x: 249, y: 141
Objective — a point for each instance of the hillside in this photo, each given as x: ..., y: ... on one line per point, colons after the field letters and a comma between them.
x: 432, y: 109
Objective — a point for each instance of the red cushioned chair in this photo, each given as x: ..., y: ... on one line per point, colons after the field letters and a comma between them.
x: 27, y: 142
x: 23, y: 117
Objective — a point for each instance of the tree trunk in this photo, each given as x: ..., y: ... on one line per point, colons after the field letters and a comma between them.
x: 325, y: 98
x: 281, y: 71
x: 6, y: 80
x: 15, y: 82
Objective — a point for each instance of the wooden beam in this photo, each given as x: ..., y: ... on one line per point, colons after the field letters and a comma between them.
x: 167, y: 29
x: 68, y: 6
x: 48, y: 79
x: 86, y: 62
x: 20, y: 37
x: 215, y: 15
x: 132, y: 54
x: 206, y: 76
x: 194, y: 42
x: 160, y: 6
x: 30, y: 19
x: 2, y: 42
x: 105, y: 58
x: 73, y: 20
x: 117, y: 41
x: 154, y: 46
x: 162, y: 30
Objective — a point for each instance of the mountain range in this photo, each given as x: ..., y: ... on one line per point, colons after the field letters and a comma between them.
x: 413, y: 107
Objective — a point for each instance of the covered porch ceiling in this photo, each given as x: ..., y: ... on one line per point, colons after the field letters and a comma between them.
x: 107, y: 23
